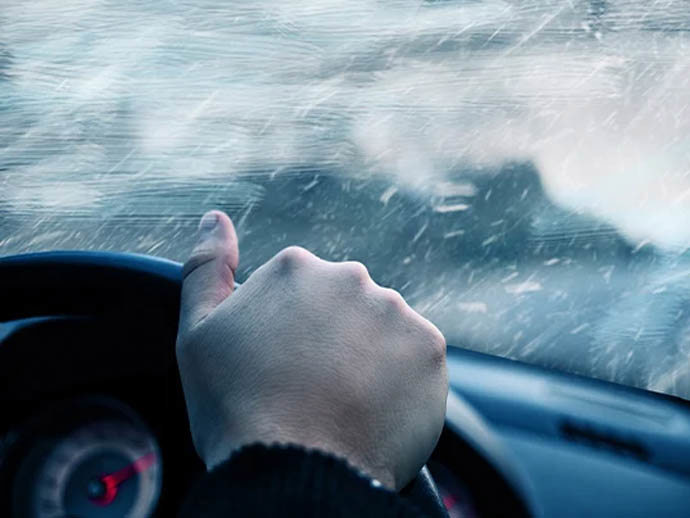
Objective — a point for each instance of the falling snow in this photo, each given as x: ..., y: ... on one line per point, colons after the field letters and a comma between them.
x: 519, y: 170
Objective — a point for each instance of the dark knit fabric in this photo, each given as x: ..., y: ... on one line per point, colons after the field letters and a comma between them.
x: 262, y: 481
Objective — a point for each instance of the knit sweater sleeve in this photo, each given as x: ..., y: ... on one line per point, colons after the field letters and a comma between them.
x: 260, y: 481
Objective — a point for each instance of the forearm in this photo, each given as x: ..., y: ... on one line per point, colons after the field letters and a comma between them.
x: 289, y: 481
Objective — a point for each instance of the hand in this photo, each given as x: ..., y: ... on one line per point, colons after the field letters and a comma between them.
x: 307, y: 352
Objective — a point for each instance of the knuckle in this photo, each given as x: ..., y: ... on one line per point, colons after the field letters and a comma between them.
x: 357, y: 271
x: 393, y: 299
x: 437, y: 342
x: 293, y: 256
x: 429, y: 335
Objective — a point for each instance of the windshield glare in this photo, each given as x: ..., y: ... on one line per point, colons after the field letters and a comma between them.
x: 518, y: 170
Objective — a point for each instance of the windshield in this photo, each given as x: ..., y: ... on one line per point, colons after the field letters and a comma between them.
x: 519, y: 170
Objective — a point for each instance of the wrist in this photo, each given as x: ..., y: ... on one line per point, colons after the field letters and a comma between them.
x: 219, y: 451
x: 289, y: 450
x: 281, y: 480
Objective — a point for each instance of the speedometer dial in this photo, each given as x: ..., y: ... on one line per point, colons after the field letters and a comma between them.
x: 103, y: 469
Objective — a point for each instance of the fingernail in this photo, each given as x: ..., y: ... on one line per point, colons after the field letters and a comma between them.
x: 208, y: 222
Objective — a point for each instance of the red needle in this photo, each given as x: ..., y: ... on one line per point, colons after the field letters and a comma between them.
x: 112, y: 481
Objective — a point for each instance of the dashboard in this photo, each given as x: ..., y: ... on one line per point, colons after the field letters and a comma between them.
x: 94, y: 423
x: 586, y: 447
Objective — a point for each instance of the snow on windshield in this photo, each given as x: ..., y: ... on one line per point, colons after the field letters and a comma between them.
x: 519, y: 170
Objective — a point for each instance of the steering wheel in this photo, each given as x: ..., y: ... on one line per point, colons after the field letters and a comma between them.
x: 96, y: 284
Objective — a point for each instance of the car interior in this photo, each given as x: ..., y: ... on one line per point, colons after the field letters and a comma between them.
x: 517, y: 170
x: 88, y: 372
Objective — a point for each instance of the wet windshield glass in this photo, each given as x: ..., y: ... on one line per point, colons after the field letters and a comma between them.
x: 519, y: 170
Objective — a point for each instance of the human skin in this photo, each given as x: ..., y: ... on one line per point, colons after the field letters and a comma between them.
x: 306, y: 352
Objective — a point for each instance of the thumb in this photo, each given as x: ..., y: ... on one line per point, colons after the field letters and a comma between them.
x: 208, y: 276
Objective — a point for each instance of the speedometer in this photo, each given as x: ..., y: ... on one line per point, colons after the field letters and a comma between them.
x: 107, y: 468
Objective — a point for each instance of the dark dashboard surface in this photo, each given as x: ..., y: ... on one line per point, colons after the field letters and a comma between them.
x: 582, y: 447
x: 588, y: 448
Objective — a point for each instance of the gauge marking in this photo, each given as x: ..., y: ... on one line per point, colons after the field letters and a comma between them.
x: 107, y: 468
